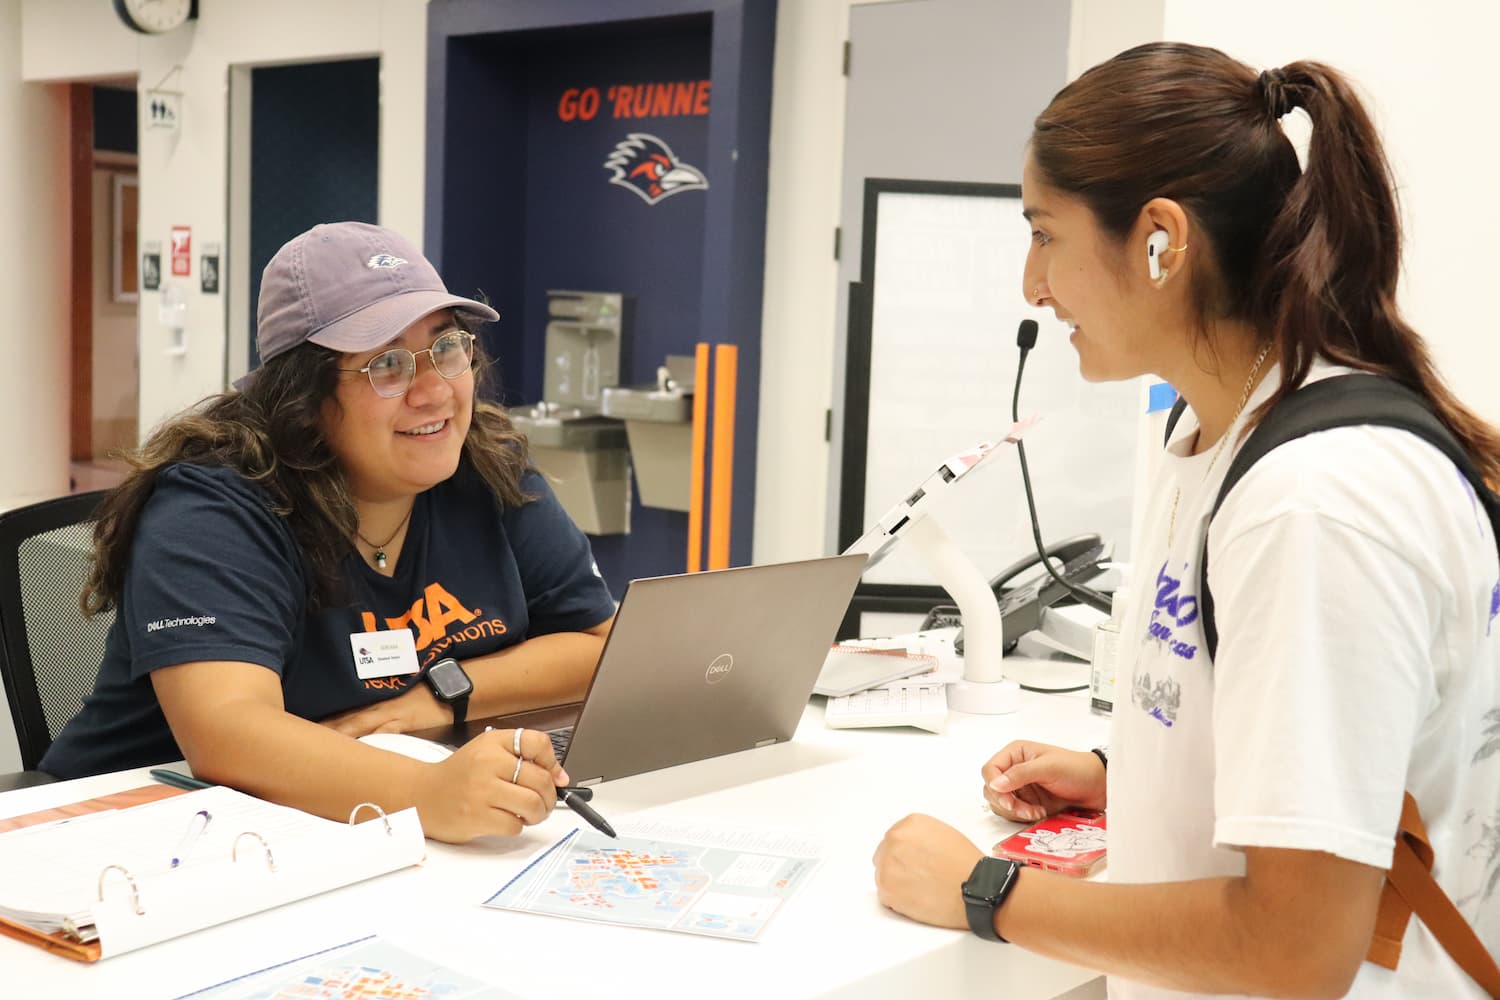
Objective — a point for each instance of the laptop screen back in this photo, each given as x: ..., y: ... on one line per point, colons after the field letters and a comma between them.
x: 709, y: 663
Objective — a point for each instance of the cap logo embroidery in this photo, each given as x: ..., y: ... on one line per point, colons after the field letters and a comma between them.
x: 381, y: 260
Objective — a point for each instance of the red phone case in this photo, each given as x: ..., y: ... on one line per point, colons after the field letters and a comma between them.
x: 1070, y: 843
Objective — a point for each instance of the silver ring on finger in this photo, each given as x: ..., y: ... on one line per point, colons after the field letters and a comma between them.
x: 515, y: 744
x: 515, y: 778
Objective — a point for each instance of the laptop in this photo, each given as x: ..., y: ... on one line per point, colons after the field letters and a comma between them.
x: 698, y: 665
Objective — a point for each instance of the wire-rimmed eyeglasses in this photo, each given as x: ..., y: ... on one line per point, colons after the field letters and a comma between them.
x: 391, y: 372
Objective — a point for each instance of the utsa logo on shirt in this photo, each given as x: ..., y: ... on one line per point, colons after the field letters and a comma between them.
x: 440, y: 620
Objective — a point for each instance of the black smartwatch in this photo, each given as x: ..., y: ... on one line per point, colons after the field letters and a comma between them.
x: 451, y: 685
x: 989, y: 883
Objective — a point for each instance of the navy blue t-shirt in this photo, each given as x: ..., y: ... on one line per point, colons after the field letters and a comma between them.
x: 215, y: 574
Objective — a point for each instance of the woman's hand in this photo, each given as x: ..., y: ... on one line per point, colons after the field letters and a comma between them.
x: 414, y: 709
x: 471, y: 793
x: 920, y: 869
x: 1026, y: 781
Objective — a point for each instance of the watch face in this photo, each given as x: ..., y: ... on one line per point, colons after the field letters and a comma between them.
x: 988, y: 878
x: 154, y: 16
x: 448, y: 680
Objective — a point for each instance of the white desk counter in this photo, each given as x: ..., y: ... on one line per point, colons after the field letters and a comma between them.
x: 845, y: 787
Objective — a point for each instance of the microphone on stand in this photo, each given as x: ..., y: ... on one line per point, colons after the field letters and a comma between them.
x: 1026, y: 335
x: 1026, y: 340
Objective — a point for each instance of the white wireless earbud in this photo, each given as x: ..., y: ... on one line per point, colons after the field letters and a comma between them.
x: 1156, y: 245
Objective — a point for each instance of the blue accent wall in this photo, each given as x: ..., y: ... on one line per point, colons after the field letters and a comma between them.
x: 314, y: 155
x: 542, y: 207
x: 519, y: 200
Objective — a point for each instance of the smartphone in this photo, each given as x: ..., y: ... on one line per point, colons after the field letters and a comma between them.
x: 1070, y: 843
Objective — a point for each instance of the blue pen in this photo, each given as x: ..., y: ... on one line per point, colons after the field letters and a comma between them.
x: 194, y: 831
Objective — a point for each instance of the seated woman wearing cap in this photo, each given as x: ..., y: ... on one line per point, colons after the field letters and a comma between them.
x: 306, y: 548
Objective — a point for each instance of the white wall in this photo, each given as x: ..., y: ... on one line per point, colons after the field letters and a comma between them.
x: 1429, y: 79
x: 799, y: 305
x: 184, y: 175
x: 1100, y: 29
x: 34, y: 325
x: 33, y: 290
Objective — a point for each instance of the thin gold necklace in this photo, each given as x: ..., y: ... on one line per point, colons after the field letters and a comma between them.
x: 380, y: 547
x: 1260, y: 359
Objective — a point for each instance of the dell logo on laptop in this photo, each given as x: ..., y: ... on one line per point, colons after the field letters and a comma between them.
x: 719, y: 669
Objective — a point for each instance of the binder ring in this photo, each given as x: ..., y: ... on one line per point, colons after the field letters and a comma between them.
x: 135, y: 892
x: 234, y: 852
x: 379, y: 811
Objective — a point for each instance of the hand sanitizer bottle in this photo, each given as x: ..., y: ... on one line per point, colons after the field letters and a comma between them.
x: 1106, y: 659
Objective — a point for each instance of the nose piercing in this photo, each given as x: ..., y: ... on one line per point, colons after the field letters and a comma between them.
x: 1036, y: 295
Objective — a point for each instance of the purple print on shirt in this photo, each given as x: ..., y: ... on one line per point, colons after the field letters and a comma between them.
x: 1494, y: 608
x: 1184, y: 608
x: 1173, y: 610
x: 1479, y: 516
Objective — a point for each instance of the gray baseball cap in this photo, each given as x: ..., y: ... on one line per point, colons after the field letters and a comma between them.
x: 349, y: 286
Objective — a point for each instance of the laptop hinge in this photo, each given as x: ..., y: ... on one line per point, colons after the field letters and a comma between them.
x: 590, y: 781
x: 765, y: 743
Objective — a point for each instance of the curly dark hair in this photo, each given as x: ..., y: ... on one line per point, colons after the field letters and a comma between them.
x: 270, y: 432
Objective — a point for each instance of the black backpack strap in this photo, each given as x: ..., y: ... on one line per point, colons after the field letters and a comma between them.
x: 1340, y: 401
x: 1172, y: 418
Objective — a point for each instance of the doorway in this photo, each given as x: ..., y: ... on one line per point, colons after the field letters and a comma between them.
x: 105, y: 357
x: 304, y: 149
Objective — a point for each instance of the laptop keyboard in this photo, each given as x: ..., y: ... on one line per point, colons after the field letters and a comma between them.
x: 560, y: 739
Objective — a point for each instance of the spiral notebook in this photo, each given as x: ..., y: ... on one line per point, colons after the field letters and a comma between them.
x: 94, y: 884
x: 848, y: 669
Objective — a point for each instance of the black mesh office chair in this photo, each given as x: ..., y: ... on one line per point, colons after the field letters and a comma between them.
x: 49, y: 653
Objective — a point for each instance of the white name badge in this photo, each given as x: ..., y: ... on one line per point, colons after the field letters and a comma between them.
x: 384, y: 654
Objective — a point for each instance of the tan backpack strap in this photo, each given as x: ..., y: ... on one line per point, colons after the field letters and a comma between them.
x: 1412, y: 848
x: 1410, y: 888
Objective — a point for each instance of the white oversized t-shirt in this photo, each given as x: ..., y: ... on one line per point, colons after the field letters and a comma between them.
x: 1356, y: 593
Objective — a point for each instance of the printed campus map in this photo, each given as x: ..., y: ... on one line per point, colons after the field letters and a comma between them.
x: 701, y: 881
x: 369, y: 969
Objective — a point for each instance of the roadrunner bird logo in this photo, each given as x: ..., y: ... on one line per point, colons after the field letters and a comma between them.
x: 646, y: 165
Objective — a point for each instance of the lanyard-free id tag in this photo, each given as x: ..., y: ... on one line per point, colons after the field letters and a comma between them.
x: 384, y: 654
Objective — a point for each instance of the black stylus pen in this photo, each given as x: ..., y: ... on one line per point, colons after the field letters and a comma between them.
x: 575, y: 802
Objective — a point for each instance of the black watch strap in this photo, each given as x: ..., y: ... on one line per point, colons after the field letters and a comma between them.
x: 982, y: 920
x: 1103, y: 754
x: 460, y: 709
x: 1001, y: 876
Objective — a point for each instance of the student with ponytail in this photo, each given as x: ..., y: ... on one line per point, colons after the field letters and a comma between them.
x: 1255, y: 778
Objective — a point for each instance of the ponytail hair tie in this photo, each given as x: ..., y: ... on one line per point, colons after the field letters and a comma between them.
x: 1276, y: 92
